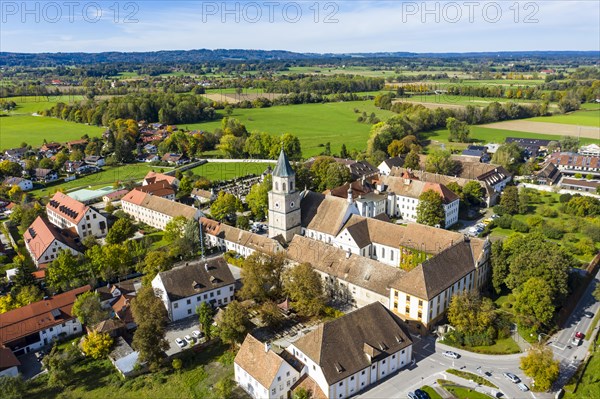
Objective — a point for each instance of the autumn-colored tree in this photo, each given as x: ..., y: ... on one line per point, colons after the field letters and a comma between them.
x: 96, y: 345
x: 304, y: 287
x: 540, y: 365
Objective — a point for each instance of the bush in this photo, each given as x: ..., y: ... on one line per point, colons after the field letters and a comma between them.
x: 592, y: 231
x: 535, y: 221
x: 504, y: 221
x: 564, y: 198
x: 519, y: 226
x: 552, y: 232
x: 548, y: 212
x: 499, y: 210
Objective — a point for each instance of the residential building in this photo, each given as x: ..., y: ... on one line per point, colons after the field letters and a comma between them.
x: 44, y: 241
x: 284, y: 201
x: 531, y: 147
x: 323, y: 216
x: 114, y: 196
x: 572, y: 163
x: 590, y: 149
x: 203, y: 196
x: 15, y: 154
x: 50, y: 148
x: 30, y: 327
x: 588, y: 186
x: 77, y: 144
x: 183, y: 288
x: 263, y: 373
x: 76, y: 167
x: 386, y: 166
x: 45, y: 175
x: 150, y: 149
x: 24, y: 184
x: 478, y: 152
x: 9, y: 364
x: 95, y: 160
x: 68, y: 213
x: 156, y: 211
x: 174, y: 159
x: 153, y: 177
x: 368, y: 200
x: 229, y: 238
x: 124, y: 358
x: 549, y: 175
x: 160, y: 189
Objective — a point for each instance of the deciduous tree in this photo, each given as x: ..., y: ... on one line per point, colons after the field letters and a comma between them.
x: 150, y: 316
x: 534, y: 304
x: 261, y: 276
x: 122, y: 230
x: 439, y: 161
x: 96, y: 345
x: 234, y: 324
x: 430, y: 210
x: 304, y: 287
x: 205, y: 318
x: 88, y: 308
x: 540, y: 365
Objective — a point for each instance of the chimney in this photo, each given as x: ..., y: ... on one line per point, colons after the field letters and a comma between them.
x: 349, y: 193
x: 206, y: 267
x: 267, y: 347
x: 348, y: 253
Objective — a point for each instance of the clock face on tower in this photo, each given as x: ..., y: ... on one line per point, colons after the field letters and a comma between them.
x: 292, y: 204
x: 277, y: 205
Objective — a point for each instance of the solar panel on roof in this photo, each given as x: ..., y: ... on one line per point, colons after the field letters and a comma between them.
x: 55, y: 313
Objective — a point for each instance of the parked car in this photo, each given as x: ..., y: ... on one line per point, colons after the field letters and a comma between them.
x: 197, y: 334
x: 189, y: 339
x: 450, y: 354
x: 180, y: 343
x: 579, y: 335
x: 523, y: 387
x: 512, y: 377
x: 576, y: 341
x: 589, y: 315
x: 412, y: 395
x: 421, y: 394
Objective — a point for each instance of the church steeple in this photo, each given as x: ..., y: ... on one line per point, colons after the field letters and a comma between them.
x: 284, y: 201
x: 283, y: 168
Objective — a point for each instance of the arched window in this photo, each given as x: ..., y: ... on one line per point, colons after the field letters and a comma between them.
x: 283, y: 184
x: 276, y: 186
x: 291, y: 186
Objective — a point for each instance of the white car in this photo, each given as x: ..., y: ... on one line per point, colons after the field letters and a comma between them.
x: 197, y: 334
x: 180, y: 343
x: 512, y: 377
x: 523, y: 387
x: 450, y: 354
x: 189, y: 339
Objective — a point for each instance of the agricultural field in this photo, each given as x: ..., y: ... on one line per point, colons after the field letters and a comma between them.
x: 31, y: 104
x: 228, y: 170
x: 585, y: 117
x: 554, y: 129
x: 460, y: 100
x: 314, y: 124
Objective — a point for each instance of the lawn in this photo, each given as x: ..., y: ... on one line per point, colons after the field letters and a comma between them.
x: 504, y: 346
x: 431, y: 392
x: 470, y: 376
x: 229, y: 170
x: 461, y: 392
x: 108, y: 176
x: 589, y: 386
x: 99, y: 379
x: 314, y: 124
x: 16, y: 129
x: 585, y: 117
x: 31, y: 104
x: 462, y: 100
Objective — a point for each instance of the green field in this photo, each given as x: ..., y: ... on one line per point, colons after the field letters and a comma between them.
x: 462, y: 100
x: 314, y: 124
x: 31, y: 104
x: 589, y: 386
x: 229, y: 170
x: 586, y: 117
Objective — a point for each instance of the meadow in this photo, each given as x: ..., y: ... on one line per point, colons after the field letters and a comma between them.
x: 228, y: 170
x: 584, y: 117
x: 314, y: 124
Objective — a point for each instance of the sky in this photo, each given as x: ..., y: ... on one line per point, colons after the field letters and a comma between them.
x: 302, y: 26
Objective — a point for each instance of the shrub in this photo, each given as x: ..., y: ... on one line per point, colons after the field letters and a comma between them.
x: 592, y: 231
x: 548, y: 212
x: 504, y: 221
x: 586, y: 246
x: 564, y: 198
x: 552, y: 232
x: 535, y: 221
x: 519, y: 226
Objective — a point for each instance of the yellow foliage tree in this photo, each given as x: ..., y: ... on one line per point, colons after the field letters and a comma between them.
x: 96, y: 345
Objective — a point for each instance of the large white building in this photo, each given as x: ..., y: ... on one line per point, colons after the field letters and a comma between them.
x: 183, y: 288
x: 337, y: 360
x: 229, y: 238
x: 31, y: 327
x: 68, y: 213
x: 44, y: 241
x: 156, y: 211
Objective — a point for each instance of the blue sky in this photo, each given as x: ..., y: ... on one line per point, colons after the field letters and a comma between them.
x: 303, y: 26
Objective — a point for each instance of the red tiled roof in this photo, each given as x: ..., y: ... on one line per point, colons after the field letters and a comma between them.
x: 40, y: 235
x: 8, y: 359
x: 161, y: 188
x: 153, y: 177
x: 67, y: 207
x: 37, y: 316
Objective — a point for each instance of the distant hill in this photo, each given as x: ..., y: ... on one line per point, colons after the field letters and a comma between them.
x: 204, y: 55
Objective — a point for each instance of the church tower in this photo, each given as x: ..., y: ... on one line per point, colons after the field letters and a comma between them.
x: 284, y: 201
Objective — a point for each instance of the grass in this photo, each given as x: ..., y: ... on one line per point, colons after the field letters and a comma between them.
x: 504, y: 346
x: 431, y: 392
x: 585, y: 117
x: 99, y: 379
x: 108, y: 176
x: 470, y: 376
x: 589, y: 385
x: 314, y: 124
x: 590, y: 330
x: 462, y: 100
x: 461, y: 392
x: 229, y: 170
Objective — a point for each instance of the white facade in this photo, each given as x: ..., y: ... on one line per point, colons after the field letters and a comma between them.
x: 24, y: 184
x: 149, y: 216
x: 358, y: 381
x: 46, y: 336
x: 285, y: 378
x: 284, y: 208
x: 370, y: 206
x: 50, y: 253
x: 91, y: 223
x: 10, y: 372
x: 406, y: 208
x: 186, y: 307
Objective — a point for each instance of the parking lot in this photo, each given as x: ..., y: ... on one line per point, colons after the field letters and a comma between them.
x: 180, y: 329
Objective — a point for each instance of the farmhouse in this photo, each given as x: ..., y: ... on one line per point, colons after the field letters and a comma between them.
x: 153, y: 177
x: 24, y: 184
x: 33, y: 326
x: 174, y: 159
x: 156, y: 211
x: 44, y: 241
x: 45, y: 175
x: 68, y: 213
x: 160, y: 189
x: 183, y: 288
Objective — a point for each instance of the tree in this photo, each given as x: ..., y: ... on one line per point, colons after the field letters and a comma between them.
x: 508, y: 155
x: 12, y: 387
x: 534, y: 303
x: 412, y: 160
x: 225, y: 206
x: 174, y: 228
x: 459, y: 130
x: 232, y: 146
x: 96, y: 345
x: 439, y: 161
x: 302, y: 393
x: 430, y: 209
x: 177, y: 364
x: 88, y: 309
x: 205, y: 318
x: 122, y: 230
x: 509, y: 201
x: 336, y: 175
x: 291, y: 146
x: 471, y: 314
x: 234, y: 324
x: 59, y: 364
x: 304, y: 287
x: 155, y: 262
x: 151, y: 318
x: 261, y: 276
x: 258, y: 198
x: 344, y: 152
x: 224, y: 388
x: 539, y: 364
x: 473, y: 193
x: 270, y: 314
x: 28, y: 295
x: 596, y: 292
x: 64, y: 272
x: 569, y: 144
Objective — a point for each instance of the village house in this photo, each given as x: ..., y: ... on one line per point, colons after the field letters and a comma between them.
x: 387, y: 165
x: 30, y: 327
x: 154, y: 177
x: 68, y: 213
x: 590, y: 149
x: 160, y: 189
x: 51, y: 148
x: 174, y: 159
x: 44, y: 241
x: 114, y: 196
x: 15, y: 154
x: 24, y: 184
x: 77, y: 144
x: 95, y: 160
x: 183, y: 288
x: 156, y: 211
x: 9, y: 364
x: 45, y: 175
x: 203, y: 196
x: 572, y: 163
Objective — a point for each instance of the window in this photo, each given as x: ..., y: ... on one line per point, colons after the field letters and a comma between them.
x: 288, y: 383
x: 198, y: 298
x: 189, y: 311
x: 341, y: 383
x: 175, y: 305
x: 273, y: 391
x: 231, y: 288
x: 212, y: 294
x: 205, y: 296
x: 383, y: 361
x: 218, y: 292
x: 420, y: 302
x: 373, y: 367
x: 287, y: 374
x: 393, y: 356
x: 51, y: 329
x: 352, y: 378
x: 188, y: 301
x: 278, y: 378
x: 294, y: 379
x: 363, y: 372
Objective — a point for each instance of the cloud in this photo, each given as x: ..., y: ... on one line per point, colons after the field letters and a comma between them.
x: 340, y: 26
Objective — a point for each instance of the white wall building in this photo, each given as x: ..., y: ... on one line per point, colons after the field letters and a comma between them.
x: 44, y: 242
x: 67, y: 213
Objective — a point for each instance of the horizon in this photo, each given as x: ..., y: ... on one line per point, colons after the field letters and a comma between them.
x: 334, y: 27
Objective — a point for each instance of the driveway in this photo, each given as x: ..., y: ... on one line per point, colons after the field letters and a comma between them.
x: 30, y: 367
x: 180, y: 329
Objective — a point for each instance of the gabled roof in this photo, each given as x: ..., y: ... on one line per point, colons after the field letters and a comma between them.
x: 392, y: 162
x: 262, y: 364
x: 160, y: 188
x: 436, y: 274
x: 161, y: 205
x: 8, y: 359
x: 413, y: 188
x: 283, y: 167
x: 325, y: 214
x: 338, y: 346
x: 152, y: 177
x: 38, y: 316
x: 195, y: 278
x: 41, y: 234
x: 12, y: 181
x: 67, y: 207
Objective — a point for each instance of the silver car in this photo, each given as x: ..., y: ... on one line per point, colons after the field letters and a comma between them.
x: 450, y: 354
